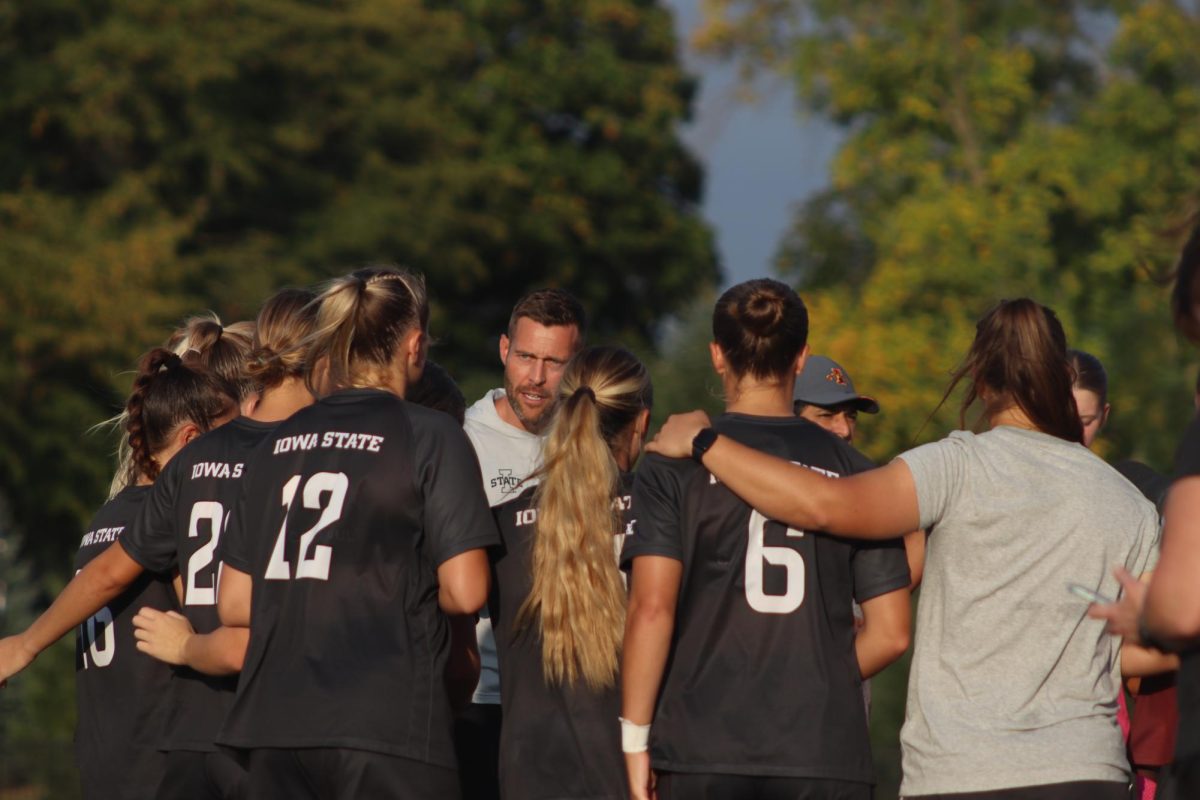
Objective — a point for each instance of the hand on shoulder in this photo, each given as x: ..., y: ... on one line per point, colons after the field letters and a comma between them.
x: 674, y: 439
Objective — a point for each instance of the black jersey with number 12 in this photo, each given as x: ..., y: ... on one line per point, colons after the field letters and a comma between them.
x: 179, y: 528
x: 762, y: 678
x: 120, y: 692
x: 348, y: 511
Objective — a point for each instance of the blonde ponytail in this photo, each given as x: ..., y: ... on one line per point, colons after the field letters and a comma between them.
x: 578, y: 599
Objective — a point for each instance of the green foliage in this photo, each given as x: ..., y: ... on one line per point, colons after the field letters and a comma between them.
x: 992, y: 149
x: 165, y: 158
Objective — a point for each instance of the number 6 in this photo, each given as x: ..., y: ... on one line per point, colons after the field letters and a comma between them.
x: 786, y: 557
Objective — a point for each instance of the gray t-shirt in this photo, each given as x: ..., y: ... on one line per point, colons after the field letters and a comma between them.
x: 1011, y: 683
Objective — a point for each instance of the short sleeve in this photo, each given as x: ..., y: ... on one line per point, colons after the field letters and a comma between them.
x: 1187, y: 456
x: 654, y: 529
x: 456, y: 515
x: 879, y: 568
x: 1143, y: 557
x: 937, y: 471
x: 233, y: 547
x: 152, y: 540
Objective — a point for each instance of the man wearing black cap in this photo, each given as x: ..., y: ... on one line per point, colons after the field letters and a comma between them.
x: 825, y: 395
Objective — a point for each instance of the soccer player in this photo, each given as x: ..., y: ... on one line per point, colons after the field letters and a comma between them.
x: 1013, y: 691
x: 120, y: 695
x: 362, y: 524
x: 506, y: 428
x: 740, y: 645
x: 558, y: 601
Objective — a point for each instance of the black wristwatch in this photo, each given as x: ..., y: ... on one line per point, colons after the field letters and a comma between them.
x: 701, y: 442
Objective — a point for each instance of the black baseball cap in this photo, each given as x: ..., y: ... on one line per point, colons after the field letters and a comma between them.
x: 824, y: 383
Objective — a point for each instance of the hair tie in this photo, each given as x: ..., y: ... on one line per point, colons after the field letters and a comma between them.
x: 588, y: 391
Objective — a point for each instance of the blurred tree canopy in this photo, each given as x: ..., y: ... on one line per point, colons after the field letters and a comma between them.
x: 992, y: 149
x: 163, y: 158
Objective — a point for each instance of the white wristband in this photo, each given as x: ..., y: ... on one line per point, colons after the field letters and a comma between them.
x: 634, y: 738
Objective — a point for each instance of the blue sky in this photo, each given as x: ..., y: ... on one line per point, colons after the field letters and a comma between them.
x: 759, y: 159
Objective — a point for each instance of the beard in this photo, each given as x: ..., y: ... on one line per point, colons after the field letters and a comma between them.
x: 534, y: 419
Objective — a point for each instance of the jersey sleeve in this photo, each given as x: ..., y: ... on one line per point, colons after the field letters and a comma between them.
x: 937, y: 472
x: 1187, y: 456
x: 878, y: 568
x: 151, y: 541
x: 654, y: 529
x: 233, y: 547
x: 456, y: 515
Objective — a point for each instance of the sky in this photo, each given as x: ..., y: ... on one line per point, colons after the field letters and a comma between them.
x: 760, y: 160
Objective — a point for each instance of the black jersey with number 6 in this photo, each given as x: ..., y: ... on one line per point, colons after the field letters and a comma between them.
x: 557, y: 741
x: 762, y: 678
x: 179, y: 528
x: 348, y: 511
x: 120, y: 692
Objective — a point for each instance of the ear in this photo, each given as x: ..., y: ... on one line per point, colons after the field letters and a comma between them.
x: 416, y: 346
x: 1104, y: 414
x: 719, y: 365
x: 185, y: 433
x: 802, y: 359
x: 504, y: 345
x: 642, y: 423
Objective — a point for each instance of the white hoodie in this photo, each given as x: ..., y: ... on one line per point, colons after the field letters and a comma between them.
x: 507, y: 455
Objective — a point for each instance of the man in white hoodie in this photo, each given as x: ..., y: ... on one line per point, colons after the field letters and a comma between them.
x: 506, y: 427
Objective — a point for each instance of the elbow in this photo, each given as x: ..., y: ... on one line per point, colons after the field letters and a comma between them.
x: 650, y: 612
x: 898, y: 643
x: 468, y: 599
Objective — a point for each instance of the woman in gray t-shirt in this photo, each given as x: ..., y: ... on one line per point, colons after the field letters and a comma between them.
x: 1013, y: 690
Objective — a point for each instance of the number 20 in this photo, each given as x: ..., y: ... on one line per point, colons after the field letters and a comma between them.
x: 757, y: 554
x: 313, y: 561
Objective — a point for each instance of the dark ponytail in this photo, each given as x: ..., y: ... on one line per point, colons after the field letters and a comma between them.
x: 168, y: 392
x: 1019, y: 357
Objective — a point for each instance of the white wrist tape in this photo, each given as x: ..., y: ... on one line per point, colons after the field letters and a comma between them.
x: 634, y: 738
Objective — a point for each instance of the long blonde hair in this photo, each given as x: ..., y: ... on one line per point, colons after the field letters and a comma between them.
x: 578, y: 598
x: 361, y: 318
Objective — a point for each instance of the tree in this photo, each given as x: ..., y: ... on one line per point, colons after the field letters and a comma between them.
x: 165, y: 158
x: 993, y: 149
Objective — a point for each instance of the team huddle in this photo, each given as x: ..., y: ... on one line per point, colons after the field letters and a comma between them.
x: 322, y: 575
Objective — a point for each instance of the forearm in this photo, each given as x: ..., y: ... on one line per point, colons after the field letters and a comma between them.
x: 647, y: 645
x: 462, y: 668
x: 100, y: 581
x: 221, y: 652
x: 780, y: 490
x: 886, y: 632
x: 1172, y: 605
x: 1142, y: 662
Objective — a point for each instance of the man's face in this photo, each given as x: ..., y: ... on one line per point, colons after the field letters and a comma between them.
x: 839, y: 420
x: 534, y: 359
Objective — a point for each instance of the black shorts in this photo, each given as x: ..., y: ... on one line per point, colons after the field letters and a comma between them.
x: 1073, y: 790
x: 1180, y: 780
x: 689, y: 786
x: 192, y: 775
x: 331, y: 773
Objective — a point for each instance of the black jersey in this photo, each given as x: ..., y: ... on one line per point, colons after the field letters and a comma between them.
x: 179, y: 528
x: 557, y: 742
x: 1187, y: 743
x: 348, y: 510
x: 762, y: 678
x: 120, y: 693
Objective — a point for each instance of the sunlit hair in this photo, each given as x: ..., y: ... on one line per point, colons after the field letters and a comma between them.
x: 1089, y: 374
x: 1019, y: 357
x: 1185, y: 295
x: 361, y: 319
x: 761, y: 327
x: 284, y: 322
x: 223, y: 350
x: 578, y: 599
x: 168, y: 392
x: 437, y: 390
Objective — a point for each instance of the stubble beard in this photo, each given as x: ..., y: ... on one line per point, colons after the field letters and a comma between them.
x: 535, y: 424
